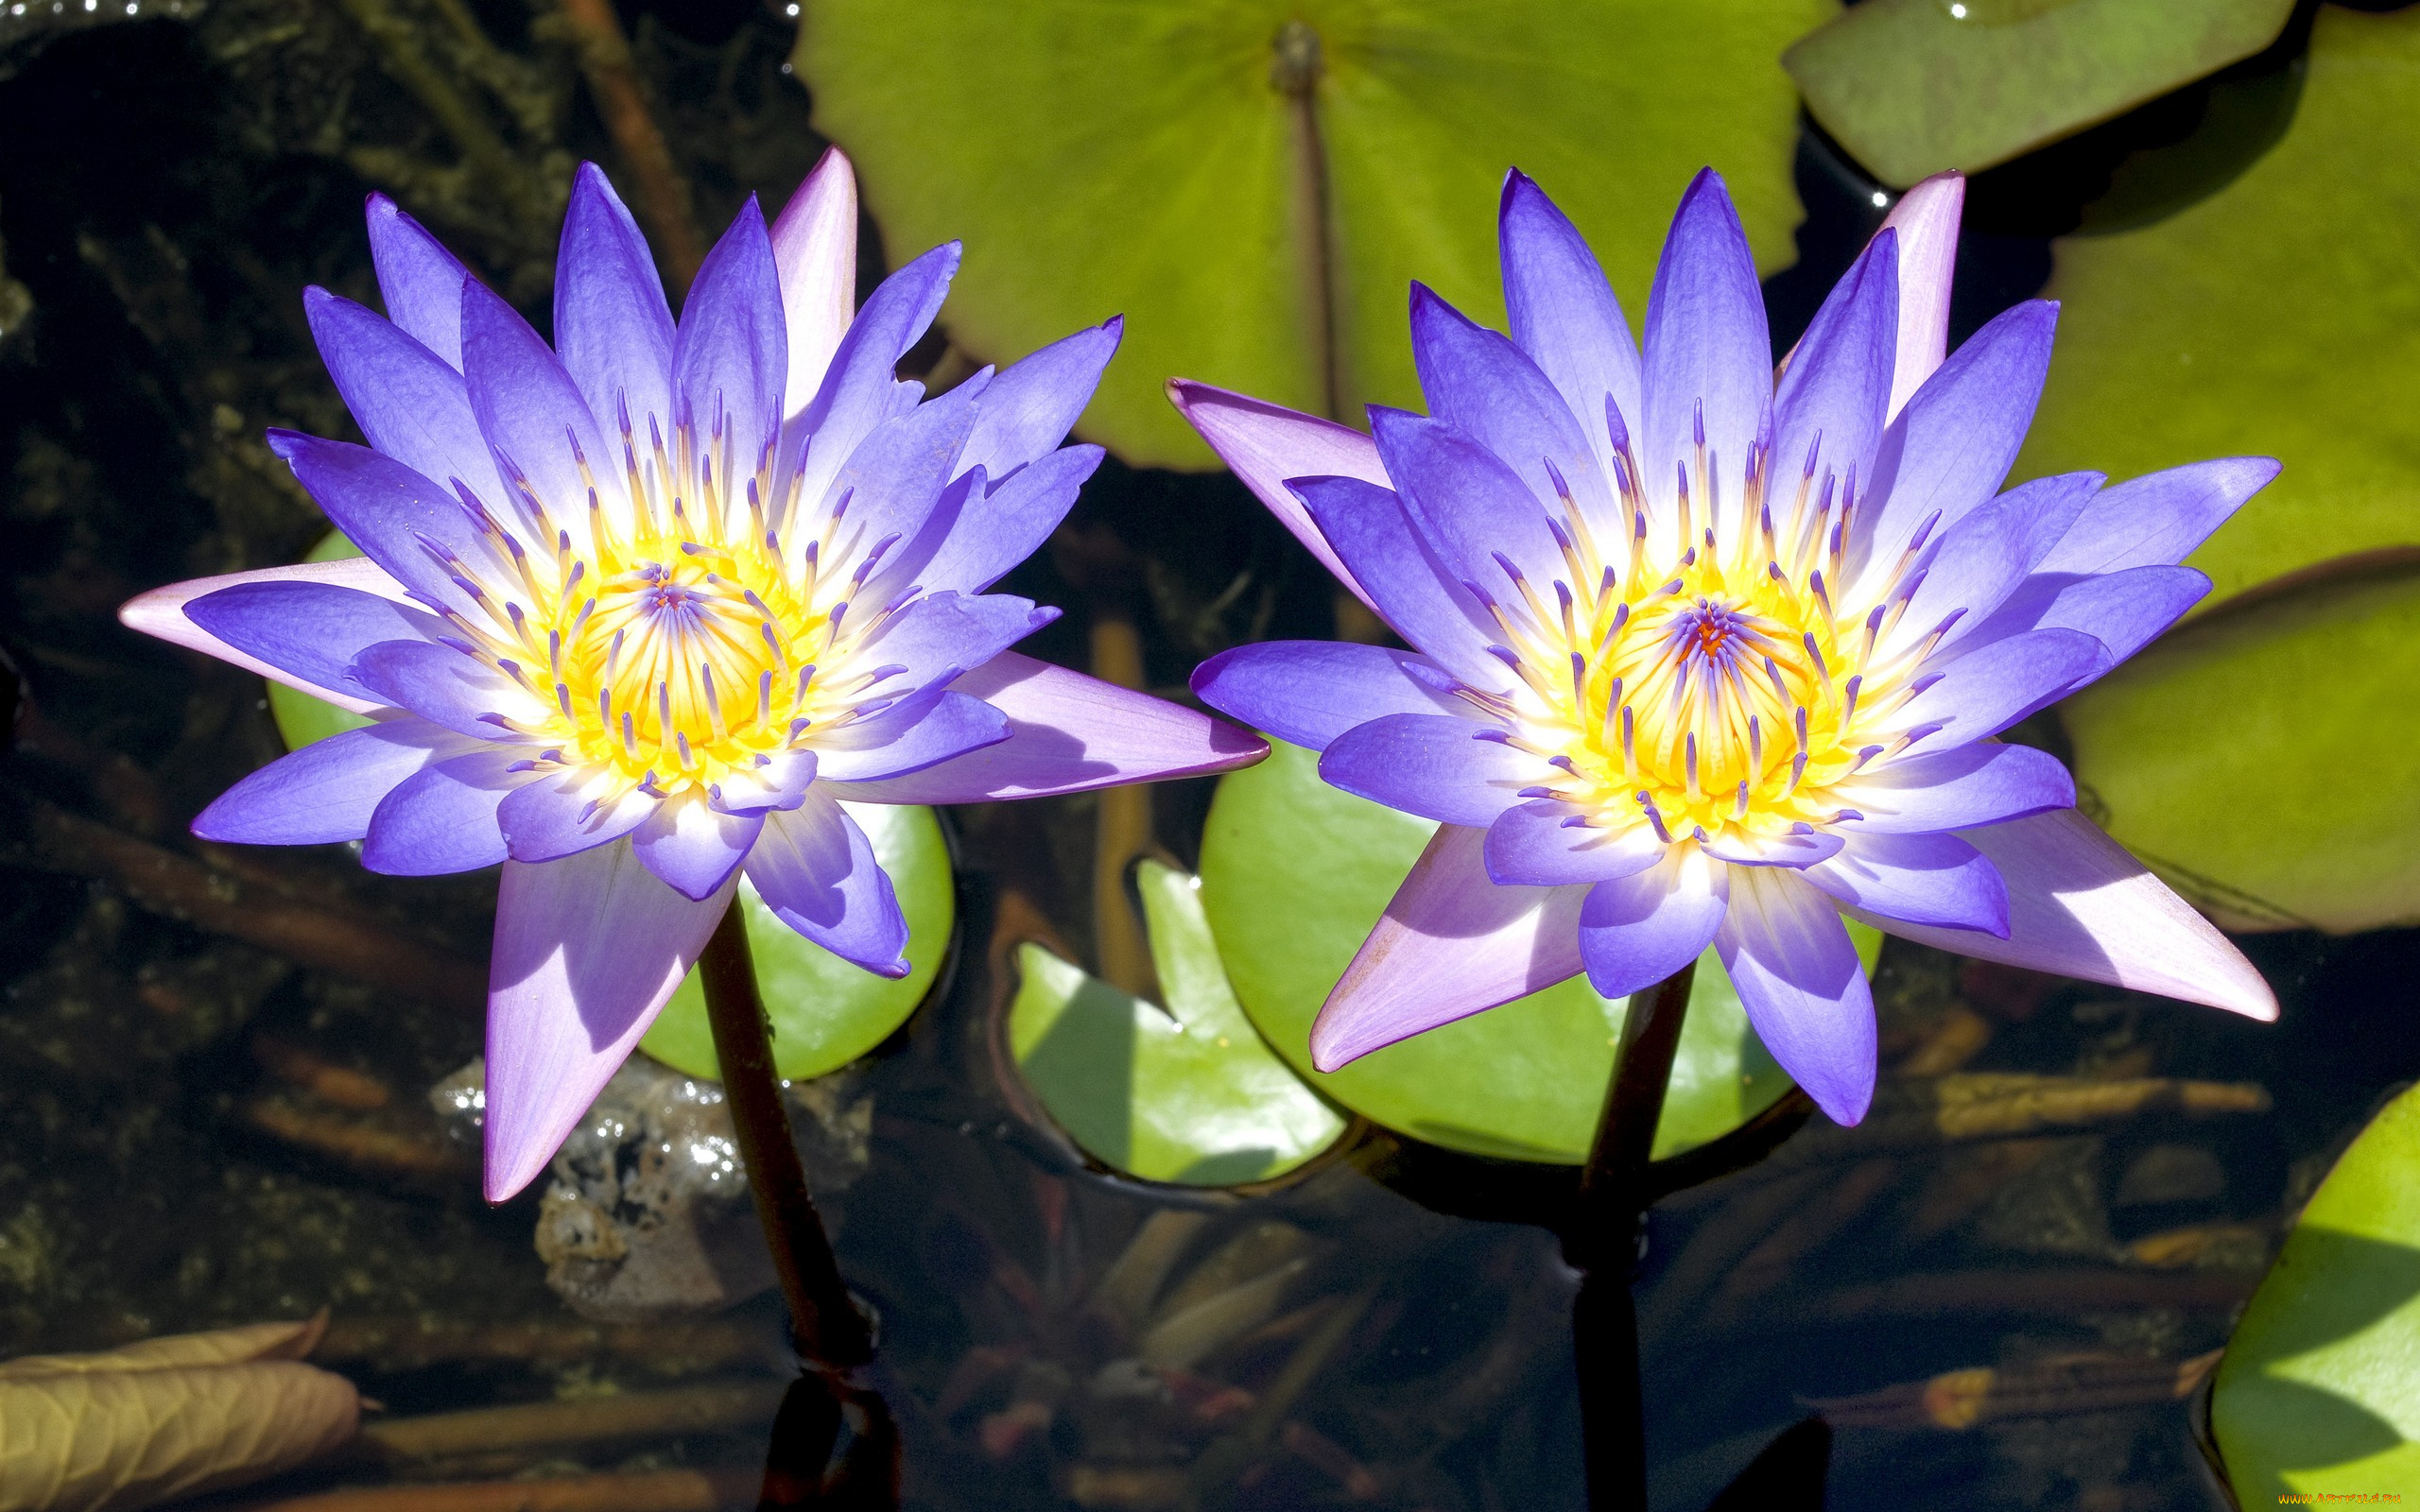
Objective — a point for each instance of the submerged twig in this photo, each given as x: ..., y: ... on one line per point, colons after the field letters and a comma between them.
x: 2044, y: 1388
x: 672, y: 1348
x: 708, y: 1490
x: 211, y: 899
x: 663, y: 198
x: 551, y: 1424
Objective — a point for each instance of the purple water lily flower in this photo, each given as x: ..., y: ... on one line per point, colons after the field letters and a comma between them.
x: 1701, y: 655
x: 651, y: 607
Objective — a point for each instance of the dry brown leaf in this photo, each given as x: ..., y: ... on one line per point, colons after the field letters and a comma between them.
x: 254, y: 1341
x: 165, y: 1417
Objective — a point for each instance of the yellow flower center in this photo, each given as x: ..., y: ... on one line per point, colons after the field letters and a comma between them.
x: 1711, y: 686
x: 681, y: 641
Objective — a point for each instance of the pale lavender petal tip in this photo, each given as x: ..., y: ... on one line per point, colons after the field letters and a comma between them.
x: 587, y: 952
x: 1450, y: 944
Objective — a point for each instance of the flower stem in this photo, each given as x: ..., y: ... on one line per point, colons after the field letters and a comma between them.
x: 1603, y: 1243
x: 829, y: 1332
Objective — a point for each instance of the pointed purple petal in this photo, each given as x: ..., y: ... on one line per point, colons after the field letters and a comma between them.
x: 949, y: 633
x: 587, y: 952
x: 2126, y: 611
x: 815, y: 870
x: 859, y: 386
x: 1563, y: 314
x: 1948, y: 449
x: 1830, y: 406
x: 1068, y: 733
x: 2158, y: 518
x: 388, y: 511
x: 1435, y: 765
x: 410, y: 404
x: 692, y: 846
x: 1923, y: 879
x: 534, y: 420
x: 1708, y: 349
x: 895, y: 480
x: 1450, y: 944
x: 1981, y: 783
x: 1468, y: 506
x: 992, y: 529
x: 1311, y: 691
x: 419, y: 280
x: 2079, y: 905
x: 1266, y: 444
x: 814, y: 246
x: 1533, y: 845
x: 328, y: 790
x: 1637, y: 930
x: 1984, y: 691
x: 309, y: 630
x: 446, y: 687
x: 912, y: 734
x: 731, y: 355
x: 1032, y: 405
x: 565, y: 813
x: 1925, y: 219
x: 441, y: 819
x: 1798, y: 975
x: 1483, y: 386
x: 612, y: 324
x: 160, y: 612
x: 1403, y: 582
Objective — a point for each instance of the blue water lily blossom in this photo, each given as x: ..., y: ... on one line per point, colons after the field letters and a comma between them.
x: 655, y: 606
x: 1702, y: 654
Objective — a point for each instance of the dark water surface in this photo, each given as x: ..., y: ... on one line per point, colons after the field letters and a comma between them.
x: 215, y: 1063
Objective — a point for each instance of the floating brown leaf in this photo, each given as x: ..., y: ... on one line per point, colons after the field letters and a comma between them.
x: 165, y: 1417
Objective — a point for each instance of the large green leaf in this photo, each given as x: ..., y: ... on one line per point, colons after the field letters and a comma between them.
x: 2263, y: 758
x: 301, y: 718
x: 2320, y: 1389
x: 1295, y: 872
x: 1146, y: 157
x: 1916, y: 87
x: 2278, y: 317
x: 1190, y: 1093
x: 826, y: 1012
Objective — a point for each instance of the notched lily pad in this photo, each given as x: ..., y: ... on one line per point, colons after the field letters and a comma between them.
x: 2255, y: 759
x: 1190, y: 1093
x: 167, y: 1417
x: 1917, y: 87
x: 2277, y: 317
x: 2320, y: 1389
x: 1295, y: 872
x: 826, y: 1012
x: 1227, y: 173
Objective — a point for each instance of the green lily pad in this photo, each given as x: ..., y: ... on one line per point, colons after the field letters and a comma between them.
x: 826, y: 1011
x: 1917, y: 87
x: 2261, y: 757
x: 1148, y: 157
x: 301, y: 718
x: 2278, y: 317
x: 2320, y: 1389
x: 1295, y: 872
x: 1189, y: 1095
